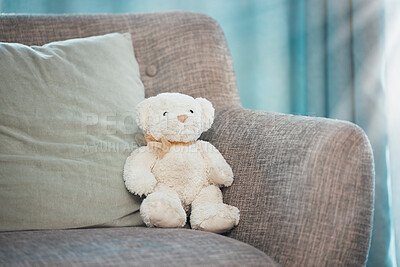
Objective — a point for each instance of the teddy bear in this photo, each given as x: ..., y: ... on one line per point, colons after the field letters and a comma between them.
x: 176, y: 172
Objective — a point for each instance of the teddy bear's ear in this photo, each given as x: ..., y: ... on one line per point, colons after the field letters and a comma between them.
x: 207, y: 112
x: 142, y: 113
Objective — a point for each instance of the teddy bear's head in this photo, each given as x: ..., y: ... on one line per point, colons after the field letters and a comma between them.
x: 175, y: 116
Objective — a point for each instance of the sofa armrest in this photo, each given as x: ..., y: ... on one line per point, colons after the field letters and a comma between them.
x: 304, y: 186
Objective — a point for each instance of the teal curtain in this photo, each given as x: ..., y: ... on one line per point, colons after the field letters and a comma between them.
x: 306, y: 57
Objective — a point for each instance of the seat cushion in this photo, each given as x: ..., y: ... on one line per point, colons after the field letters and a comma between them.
x: 127, y: 246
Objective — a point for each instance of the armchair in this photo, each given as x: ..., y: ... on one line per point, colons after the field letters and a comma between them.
x: 304, y: 186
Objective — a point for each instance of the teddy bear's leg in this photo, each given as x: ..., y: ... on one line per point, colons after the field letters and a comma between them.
x: 210, y: 214
x: 163, y: 208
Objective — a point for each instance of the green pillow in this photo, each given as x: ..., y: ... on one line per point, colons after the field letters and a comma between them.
x: 66, y: 128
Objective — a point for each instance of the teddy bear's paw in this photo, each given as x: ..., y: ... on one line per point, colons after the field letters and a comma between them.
x: 140, y: 184
x: 216, y: 218
x: 222, y: 175
x: 159, y: 210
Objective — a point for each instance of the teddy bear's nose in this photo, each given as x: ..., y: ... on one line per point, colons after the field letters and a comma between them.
x: 182, y: 118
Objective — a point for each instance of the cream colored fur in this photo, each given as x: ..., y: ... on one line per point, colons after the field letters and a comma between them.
x: 188, y: 176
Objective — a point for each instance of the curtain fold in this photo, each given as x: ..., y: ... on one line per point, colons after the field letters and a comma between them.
x: 370, y: 111
x: 316, y: 78
x: 392, y: 88
x: 307, y: 57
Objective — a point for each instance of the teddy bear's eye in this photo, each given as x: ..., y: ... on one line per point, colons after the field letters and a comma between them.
x: 165, y: 113
x: 191, y: 111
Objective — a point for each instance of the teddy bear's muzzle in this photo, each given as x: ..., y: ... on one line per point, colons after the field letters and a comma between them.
x: 182, y: 118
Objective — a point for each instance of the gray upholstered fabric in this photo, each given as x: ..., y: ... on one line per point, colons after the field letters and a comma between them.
x: 304, y: 186
x: 126, y: 247
x: 177, y: 51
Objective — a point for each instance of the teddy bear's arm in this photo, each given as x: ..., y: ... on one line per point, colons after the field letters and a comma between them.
x: 138, y: 177
x: 220, y: 173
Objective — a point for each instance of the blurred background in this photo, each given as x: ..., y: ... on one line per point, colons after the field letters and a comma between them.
x: 328, y: 58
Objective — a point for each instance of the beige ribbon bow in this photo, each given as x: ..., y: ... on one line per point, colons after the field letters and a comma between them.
x: 163, y: 145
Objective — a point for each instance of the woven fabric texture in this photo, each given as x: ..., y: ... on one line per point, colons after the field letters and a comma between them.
x: 177, y: 51
x: 137, y: 246
x: 304, y: 186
